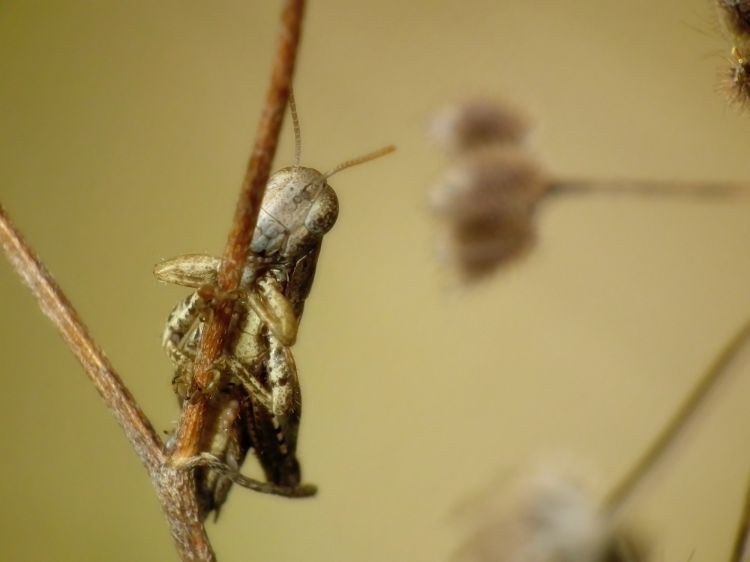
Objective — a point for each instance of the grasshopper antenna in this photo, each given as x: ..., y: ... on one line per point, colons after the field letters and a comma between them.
x: 361, y: 160
x: 295, y: 124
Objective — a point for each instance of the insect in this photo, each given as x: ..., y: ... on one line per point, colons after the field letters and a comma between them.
x: 255, y: 395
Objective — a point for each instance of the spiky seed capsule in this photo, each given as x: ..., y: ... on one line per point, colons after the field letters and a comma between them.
x: 479, y: 122
x: 734, y: 16
x: 738, y: 79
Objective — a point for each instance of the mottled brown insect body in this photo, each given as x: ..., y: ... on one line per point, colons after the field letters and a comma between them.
x: 255, y: 396
x: 257, y: 401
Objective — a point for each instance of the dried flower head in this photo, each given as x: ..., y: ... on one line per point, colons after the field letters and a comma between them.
x: 737, y: 81
x: 734, y: 16
x: 486, y: 202
x: 488, y: 181
x: 480, y: 122
x: 478, y: 247
x: 545, y: 518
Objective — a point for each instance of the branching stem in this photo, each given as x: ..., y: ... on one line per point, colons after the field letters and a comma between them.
x: 172, y: 480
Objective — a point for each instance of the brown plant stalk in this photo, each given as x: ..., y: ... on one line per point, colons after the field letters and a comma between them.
x: 243, y: 225
x: 55, y: 306
x: 171, y: 474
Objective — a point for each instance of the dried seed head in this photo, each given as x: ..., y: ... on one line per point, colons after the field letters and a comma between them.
x: 477, y: 247
x: 545, y: 518
x: 737, y: 81
x: 475, y: 123
x: 487, y: 182
x: 486, y: 204
x: 734, y: 16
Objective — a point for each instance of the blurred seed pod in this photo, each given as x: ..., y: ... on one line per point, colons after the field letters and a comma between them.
x: 478, y: 246
x: 487, y: 199
x: 479, y: 122
x: 486, y: 202
x: 545, y: 518
x: 488, y: 181
x: 734, y: 16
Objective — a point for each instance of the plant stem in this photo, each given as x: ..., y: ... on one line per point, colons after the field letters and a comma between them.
x: 245, y: 217
x: 55, y: 305
x: 655, y: 188
x: 690, y: 405
x: 174, y: 483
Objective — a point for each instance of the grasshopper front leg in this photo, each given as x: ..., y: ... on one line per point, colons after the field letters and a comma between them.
x: 269, y: 302
x: 274, y: 309
x: 180, y: 340
x: 183, y: 329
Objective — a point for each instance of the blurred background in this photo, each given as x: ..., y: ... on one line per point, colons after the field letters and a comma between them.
x: 123, y: 140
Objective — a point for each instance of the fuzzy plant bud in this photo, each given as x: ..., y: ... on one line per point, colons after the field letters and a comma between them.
x: 477, y: 247
x: 734, y: 16
x: 462, y: 127
x: 737, y: 81
x: 545, y: 518
x: 485, y: 204
x: 487, y: 182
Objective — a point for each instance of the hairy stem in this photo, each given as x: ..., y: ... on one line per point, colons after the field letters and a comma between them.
x: 174, y: 483
x: 55, y: 305
x: 174, y: 488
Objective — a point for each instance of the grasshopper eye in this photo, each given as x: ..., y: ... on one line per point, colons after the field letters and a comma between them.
x: 323, y: 212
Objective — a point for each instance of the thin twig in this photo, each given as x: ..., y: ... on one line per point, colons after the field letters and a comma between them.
x: 245, y: 217
x: 55, y: 305
x: 741, y: 551
x: 626, y: 487
x: 174, y: 488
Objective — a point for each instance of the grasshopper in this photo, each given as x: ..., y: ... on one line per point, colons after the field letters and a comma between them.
x: 255, y: 399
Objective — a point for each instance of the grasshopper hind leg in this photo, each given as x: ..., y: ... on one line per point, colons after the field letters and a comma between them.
x: 279, y: 462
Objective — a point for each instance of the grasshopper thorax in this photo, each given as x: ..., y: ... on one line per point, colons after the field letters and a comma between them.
x: 299, y: 207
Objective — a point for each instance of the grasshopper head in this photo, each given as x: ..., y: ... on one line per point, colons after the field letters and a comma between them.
x: 299, y: 207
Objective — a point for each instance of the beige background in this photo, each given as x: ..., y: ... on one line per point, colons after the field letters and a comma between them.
x: 124, y: 131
